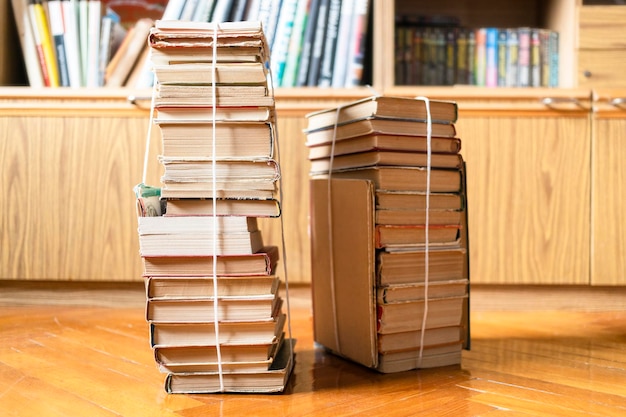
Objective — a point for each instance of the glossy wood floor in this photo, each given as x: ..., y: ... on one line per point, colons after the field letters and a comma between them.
x: 95, y: 361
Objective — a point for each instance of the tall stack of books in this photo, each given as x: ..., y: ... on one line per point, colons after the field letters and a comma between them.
x: 214, y: 303
x: 388, y: 225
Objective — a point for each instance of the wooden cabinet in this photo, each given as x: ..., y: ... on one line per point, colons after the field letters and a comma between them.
x: 608, y: 185
x: 68, y: 168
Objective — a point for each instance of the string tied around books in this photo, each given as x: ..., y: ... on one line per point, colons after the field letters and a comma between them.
x: 429, y: 126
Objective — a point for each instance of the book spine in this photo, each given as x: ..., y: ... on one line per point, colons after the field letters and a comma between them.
x: 544, y: 52
x: 491, y: 57
x: 307, y: 44
x: 40, y: 21
x: 535, y: 58
x: 523, y: 68
x: 462, y: 58
x: 359, y: 43
x: 344, y: 34
x: 480, y: 71
x: 71, y: 42
x: 330, y: 44
x: 295, y: 46
x: 451, y: 45
x: 554, y: 59
x: 318, y: 44
x: 502, y: 46
x: 512, y: 57
x: 280, y: 46
x: 27, y: 39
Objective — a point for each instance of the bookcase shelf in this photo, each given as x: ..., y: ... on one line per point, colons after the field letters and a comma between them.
x: 543, y: 126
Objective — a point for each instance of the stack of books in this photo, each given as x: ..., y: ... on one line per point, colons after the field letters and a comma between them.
x: 388, y: 224
x: 214, y: 302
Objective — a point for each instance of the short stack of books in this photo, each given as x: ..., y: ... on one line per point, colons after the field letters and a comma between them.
x: 214, y: 301
x: 389, y: 233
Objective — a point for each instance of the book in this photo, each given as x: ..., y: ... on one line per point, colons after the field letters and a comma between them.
x: 307, y: 44
x: 377, y: 125
x: 407, y: 200
x: 195, y: 236
x: 223, y: 207
x: 406, y: 178
x: 435, y: 357
x: 344, y: 31
x: 408, y: 316
x: 172, y: 287
x: 197, y: 189
x: 385, y: 158
x: 129, y: 53
x: 180, y: 54
x: 241, y: 171
x: 202, y: 117
x: 270, y: 380
x: 151, y: 225
x: 327, y: 61
x: 384, y: 142
x: 176, y: 143
x: 94, y: 16
x: 404, y: 236
x: 27, y: 38
x: 294, y: 57
x: 318, y: 44
x: 415, y: 217
x: 202, y: 73
x: 280, y: 42
x: 203, y: 334
x: 260, y: 263
x: 491, y: 57
x: 417, y: 291
x: 441, y: 111
x: 402, y: 341
x: 358, y: 43
x: 202, y: 311
x: 43, y: 41
x: 408, y: 267
x: 234, y: 358
x: 56, y: 20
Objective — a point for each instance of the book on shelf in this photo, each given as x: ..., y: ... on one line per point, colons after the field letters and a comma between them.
x: 377, y: 125
x: 243, y: 308
x: 317, y: 43
x: 441, y: 111
x: 280, y: 43
x: 128, y: 54
x: 385, y: 158
x: 204, y: 358
x: 272, y: 379
x: 223, y: 207
x: 406, y: 178
x: 260, y: 263
x: 30, y: 51
x: 384, y: 142
x: 57, y: 33
x: 331, y: 34
x: 43, y: 42
x: 233, y: 332
x: 182, y: 287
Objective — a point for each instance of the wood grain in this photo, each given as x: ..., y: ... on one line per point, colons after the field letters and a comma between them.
x: 89, y: 360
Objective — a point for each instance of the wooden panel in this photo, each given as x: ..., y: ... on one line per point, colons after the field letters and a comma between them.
x: 601, y: 68
x: 528, y: 198
x: 608, y: 261
x: 602, y: 27
x: 69, y: 209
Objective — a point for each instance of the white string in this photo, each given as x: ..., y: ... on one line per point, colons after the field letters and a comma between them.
x: 282, y: 225
x: 426, y: 226
x: 214, y: 184
x: 146, y: 155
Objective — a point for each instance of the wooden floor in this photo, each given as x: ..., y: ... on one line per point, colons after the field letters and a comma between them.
x: 79, y: 360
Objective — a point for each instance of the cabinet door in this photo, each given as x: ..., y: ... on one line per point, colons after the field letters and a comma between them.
x: 528, y: 181
x: 68, y: 206
x: 608, y: 260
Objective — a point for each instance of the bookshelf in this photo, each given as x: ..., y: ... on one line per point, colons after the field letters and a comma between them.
x: 556, y: 223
